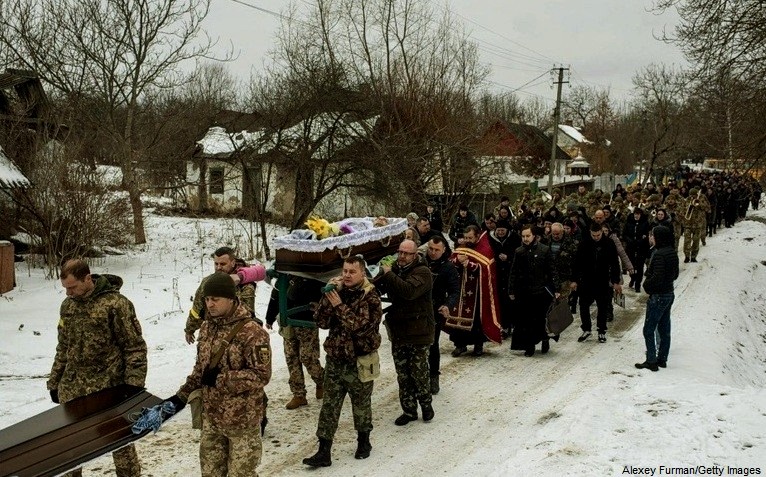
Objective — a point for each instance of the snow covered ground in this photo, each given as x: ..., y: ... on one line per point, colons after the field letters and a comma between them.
x: 583, y: 409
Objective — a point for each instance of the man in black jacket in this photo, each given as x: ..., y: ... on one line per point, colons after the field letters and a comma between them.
x: 596, y: 277
x: 504, y: 242
x: 410, y: 325
x: 533, y: 283
x: 662, y: 271
x: 444, y: 296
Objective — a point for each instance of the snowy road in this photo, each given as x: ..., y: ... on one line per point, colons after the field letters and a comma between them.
x: 582, y: 409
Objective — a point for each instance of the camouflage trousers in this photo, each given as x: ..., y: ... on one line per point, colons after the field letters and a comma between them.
x: 692, y: 236
x: 678, y: 231
x: 411, y: 362
x: 341, y: 378
x: 302, y: 349
x: 232, y: 453
x: 126, y: 463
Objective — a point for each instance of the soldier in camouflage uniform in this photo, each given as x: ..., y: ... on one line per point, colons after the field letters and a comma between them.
x: 352, y: 312
x: 301, y: 344
x: 99, y: 346
x: 673, y: 205
x: 232, y: 391
x: 225, y: 260
x: 411, y: 326
x: 695, y: 224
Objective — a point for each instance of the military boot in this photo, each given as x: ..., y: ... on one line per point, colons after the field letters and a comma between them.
x: 322, y: 457
x: 363, y: 446
x: 320, y: 392
x: 296, y: 402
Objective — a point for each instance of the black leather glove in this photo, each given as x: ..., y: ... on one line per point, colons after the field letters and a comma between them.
x: 177, y: 402
x: 55, y: 396
x: 209, y: 376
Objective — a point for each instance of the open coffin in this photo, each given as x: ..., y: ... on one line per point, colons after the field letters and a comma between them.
x: 298, y: 252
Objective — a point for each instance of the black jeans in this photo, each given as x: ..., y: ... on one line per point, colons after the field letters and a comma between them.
x: 603, y: 298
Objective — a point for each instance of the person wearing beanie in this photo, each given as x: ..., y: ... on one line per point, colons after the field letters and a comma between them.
x: 225, y: 260
x: 219, y: 285
x: 232, y: 386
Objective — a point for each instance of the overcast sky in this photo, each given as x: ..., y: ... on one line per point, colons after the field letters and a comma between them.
x: 603, y: 41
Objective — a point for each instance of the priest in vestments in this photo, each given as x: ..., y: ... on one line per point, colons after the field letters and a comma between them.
x: 476, y: 316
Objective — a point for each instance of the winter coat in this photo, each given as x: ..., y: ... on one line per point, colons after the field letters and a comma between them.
x: 564, y: 254
x: 446, y: 283
x: 533, y: 271
x: 99, y: 343
x: 507, y: 246
x: 596, y: 264
x: 624, y: 259
x: 353, y: 324
x: 459, y: 224
x: 300, y: 292
x: 663, y: 264
x: 636, y: 236
x: 245, y: 293
x: 435, y: 220
x: 410, y: 318
x: 236, y: 400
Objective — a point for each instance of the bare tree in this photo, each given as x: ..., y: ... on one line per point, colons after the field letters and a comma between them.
x: 725, y: 42
x: 111, y: 53
x: 662, y: 93
x: 415, y: 69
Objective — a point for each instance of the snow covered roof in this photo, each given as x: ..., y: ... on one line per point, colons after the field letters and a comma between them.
x: 10, y: 175
x: 218, y: 142
x: 578, y: 161
x: 572, y: 132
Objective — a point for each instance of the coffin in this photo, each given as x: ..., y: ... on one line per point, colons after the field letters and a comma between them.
x: 296, y: 254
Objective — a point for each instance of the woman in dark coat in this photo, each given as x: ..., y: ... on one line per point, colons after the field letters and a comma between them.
x: 636, y: 237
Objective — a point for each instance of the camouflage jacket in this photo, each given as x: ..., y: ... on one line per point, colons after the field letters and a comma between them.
x: 698, y: 212
x: 99, y: 343
x: 563, y: 256
x: 245, y: 293
x: 353, y: 324
x: 236, y: 401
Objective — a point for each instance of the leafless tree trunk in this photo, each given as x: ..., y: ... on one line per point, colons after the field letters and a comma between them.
x: 113, y: 52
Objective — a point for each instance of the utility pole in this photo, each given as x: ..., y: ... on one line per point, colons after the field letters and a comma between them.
x: 556, y: 119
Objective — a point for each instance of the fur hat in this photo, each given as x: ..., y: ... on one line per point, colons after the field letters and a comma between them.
x: 219, y: 285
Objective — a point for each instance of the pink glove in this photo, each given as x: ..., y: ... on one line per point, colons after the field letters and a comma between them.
x: 253, y: 273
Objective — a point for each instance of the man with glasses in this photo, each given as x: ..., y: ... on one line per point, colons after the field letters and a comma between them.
x: 410, y: 324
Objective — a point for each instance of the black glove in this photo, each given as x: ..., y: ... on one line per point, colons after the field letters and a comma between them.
x: 55, y: 396
x: 209, y: 376
x: 177, y: 402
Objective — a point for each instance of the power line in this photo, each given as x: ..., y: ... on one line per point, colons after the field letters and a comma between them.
x: 549, y: 59
x: 264, y: 10
x: 491, y: 48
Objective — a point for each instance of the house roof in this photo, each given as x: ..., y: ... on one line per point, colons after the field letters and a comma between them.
x: 574, y: 133
x: 528, y: 140
x: 10, y: 175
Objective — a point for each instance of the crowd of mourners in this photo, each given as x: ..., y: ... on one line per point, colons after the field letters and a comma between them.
x: 492, y: 279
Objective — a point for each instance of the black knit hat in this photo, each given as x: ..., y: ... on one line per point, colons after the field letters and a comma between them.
x: 219, y: 285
